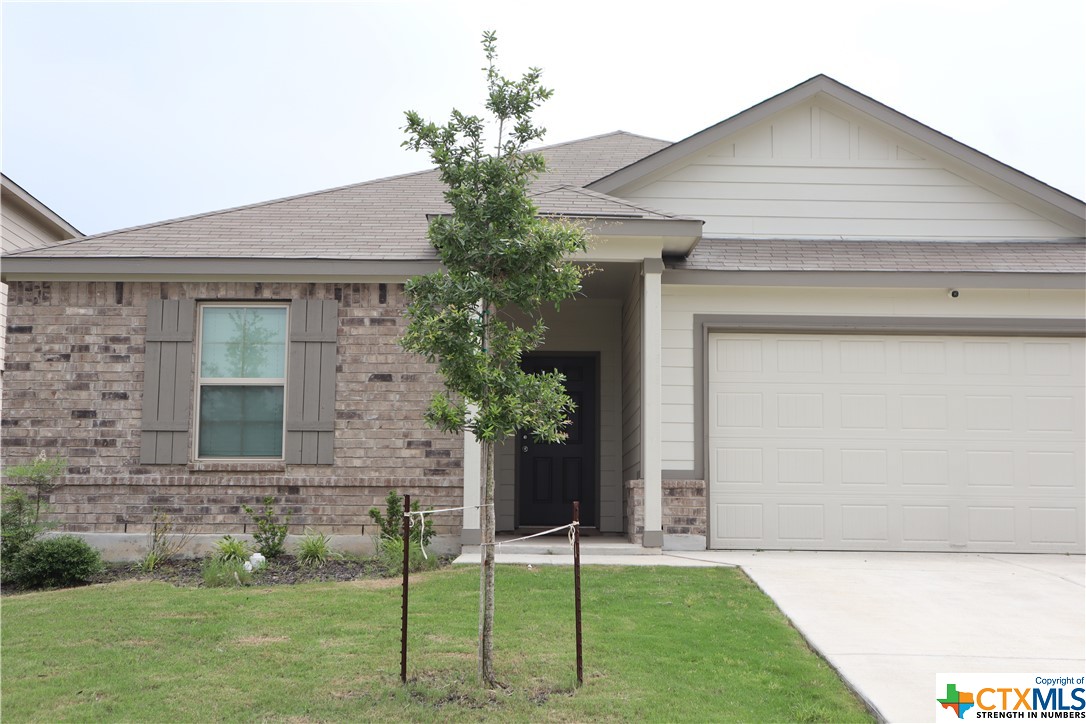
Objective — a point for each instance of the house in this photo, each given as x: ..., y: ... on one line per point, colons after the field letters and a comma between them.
x: 25, y: 223
x: 818, y: 324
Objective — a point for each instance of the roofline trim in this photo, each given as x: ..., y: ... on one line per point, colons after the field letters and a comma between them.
x: 157, y: 268
x: 878, y: 279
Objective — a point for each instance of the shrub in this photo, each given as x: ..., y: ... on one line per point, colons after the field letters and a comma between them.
x: 18, y: 525
x: 55, y: 562
x: 390, y: 555
x: 231, y: 550
x: 220, y: 574
x: 314, y: 549
x: 163, y: 542
x: 270, y: 533
x: 41, y: 475
x: 391, y: 523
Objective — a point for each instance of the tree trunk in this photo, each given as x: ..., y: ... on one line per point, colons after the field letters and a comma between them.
x: 486, y: 570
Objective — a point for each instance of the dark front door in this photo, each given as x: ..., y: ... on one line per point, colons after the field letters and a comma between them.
x: 552, y: 476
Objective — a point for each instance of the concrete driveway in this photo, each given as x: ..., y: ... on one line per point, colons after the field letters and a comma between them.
x: 889, y: 622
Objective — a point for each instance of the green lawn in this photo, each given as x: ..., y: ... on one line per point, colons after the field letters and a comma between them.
x: 661, y: 644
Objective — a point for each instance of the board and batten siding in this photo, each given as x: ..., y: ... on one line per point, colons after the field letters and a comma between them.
x: 822, y: 171
x: 584, y: 325
x: 682, y: 302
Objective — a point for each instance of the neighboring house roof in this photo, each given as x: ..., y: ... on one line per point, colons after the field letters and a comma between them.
x: 384, y: 219
x: 38, y: 225
x: 1056, y: 257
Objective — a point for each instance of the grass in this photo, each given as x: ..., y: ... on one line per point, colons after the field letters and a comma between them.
x: 661, y: 644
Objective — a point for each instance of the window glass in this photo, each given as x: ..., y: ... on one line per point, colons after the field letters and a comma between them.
x: 242, y: 374
x: 241, y: 421
x: 243, y: 342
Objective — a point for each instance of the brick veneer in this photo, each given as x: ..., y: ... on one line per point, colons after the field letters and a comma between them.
x: 74, y: 386
x: 684, y: 508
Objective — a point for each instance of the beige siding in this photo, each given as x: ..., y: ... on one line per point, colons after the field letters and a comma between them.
x: 21, y: 230
x: 822, y: 171
x: 585, y: 325
x: 682, y: 302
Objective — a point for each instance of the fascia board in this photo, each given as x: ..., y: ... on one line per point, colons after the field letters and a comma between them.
x: 861, y: 279
x: 141, y: 269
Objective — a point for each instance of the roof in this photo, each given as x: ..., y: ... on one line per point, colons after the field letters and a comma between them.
x: 384, y: 219
x: 1055, y: 257
x: 384, y: 222
x: 574, y: 201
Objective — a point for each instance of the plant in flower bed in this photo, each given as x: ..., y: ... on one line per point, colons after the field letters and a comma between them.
x: 389, y: 542
x: 166, y: 540
x: 315, y: 549
x: 270, y: 533
x: 229, y: 549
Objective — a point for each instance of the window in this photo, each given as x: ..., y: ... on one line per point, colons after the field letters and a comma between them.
x: 250, y: 404
x: 241, y: 382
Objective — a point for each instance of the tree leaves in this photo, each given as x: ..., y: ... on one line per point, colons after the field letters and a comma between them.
x: 498, y: 255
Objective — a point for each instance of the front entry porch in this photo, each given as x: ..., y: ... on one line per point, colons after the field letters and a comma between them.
x: 607, y: 344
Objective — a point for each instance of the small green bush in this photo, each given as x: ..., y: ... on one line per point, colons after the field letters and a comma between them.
x: 222, y: 574
x: 390, y: 555
x: 231, y: 550
x: 270, y: 533
x: 55, y: 562
x: 390, y: 523
x: 314, y: 549
x: 19, y: 525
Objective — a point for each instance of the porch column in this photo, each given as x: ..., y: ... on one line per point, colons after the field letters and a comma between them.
x: 473, y: 465
x: 651, y: 404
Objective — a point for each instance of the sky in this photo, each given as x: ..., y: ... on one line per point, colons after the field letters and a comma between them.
x: 119, y: 114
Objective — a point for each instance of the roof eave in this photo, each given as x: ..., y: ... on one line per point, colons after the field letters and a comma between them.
x: 940, y: 280
x: 207, y: 269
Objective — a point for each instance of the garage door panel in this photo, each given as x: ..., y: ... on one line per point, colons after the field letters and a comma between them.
x: 803, y: 523
x: 908, y: 443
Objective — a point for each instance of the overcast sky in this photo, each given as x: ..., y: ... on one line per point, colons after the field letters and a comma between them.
x: 117, y: 114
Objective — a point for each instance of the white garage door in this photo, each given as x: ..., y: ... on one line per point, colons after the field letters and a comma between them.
x: 842, y: 442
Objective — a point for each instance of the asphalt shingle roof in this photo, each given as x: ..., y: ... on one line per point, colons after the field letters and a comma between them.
x: 886, y: 256
x: 384, y: 219
x: 387, y: 219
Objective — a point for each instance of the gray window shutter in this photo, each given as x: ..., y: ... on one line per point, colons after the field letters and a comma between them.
x: 311, y: 382
x: 167, y: 382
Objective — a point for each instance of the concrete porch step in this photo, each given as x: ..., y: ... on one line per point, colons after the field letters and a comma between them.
x: 561, y: 547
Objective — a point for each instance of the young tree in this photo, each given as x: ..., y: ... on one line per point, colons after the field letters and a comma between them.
x: 498, y: 256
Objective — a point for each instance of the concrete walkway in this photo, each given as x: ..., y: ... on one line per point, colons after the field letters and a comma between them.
x: 889, y: 622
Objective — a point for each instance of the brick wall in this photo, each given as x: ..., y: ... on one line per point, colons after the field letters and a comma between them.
x: 74, y: 386
x: 684, y: 508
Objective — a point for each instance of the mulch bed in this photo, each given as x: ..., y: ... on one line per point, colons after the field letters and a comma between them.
x: 285, y: 570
